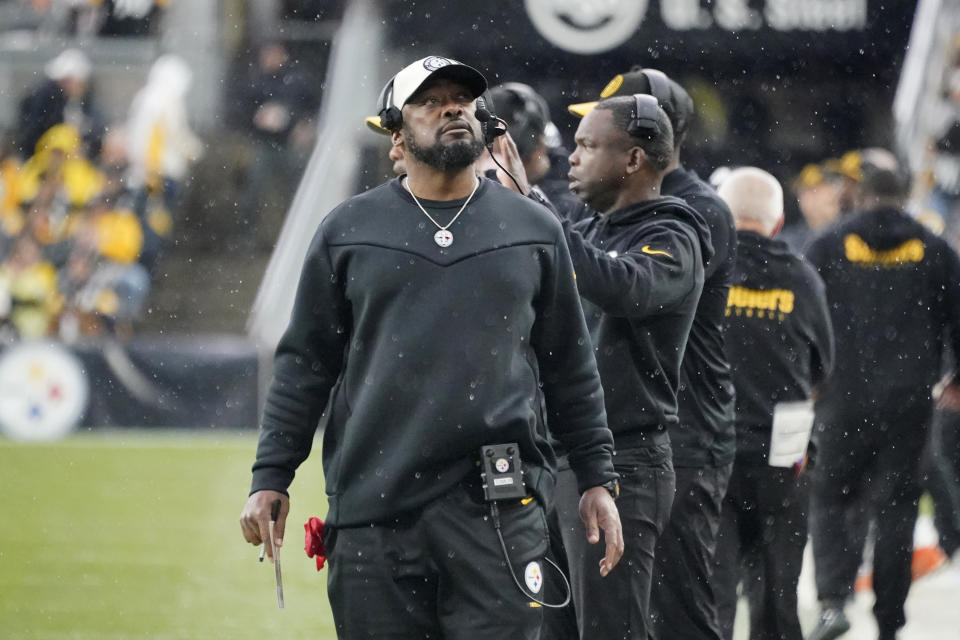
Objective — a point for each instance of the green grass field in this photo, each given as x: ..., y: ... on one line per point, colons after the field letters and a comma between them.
x: 135, y: 534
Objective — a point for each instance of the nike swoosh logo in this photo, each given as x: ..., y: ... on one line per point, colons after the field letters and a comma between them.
x: 654, y: 252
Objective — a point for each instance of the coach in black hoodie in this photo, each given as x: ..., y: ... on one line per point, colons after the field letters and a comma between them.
x: 639, y: 266
x: 704, y: 439
x: 436, y: 314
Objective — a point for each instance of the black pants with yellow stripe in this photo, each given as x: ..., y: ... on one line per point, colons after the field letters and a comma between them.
x: 440, y: 573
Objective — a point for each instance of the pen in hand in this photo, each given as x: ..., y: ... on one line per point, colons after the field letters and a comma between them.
x: 274, y: 514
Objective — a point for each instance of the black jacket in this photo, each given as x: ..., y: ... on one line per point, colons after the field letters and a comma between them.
x: 894, y: 293
x: 418, y: 355
x: 640, y: 273
x: 45, y: 107
x: 779, y: 337
x: 706, y: 435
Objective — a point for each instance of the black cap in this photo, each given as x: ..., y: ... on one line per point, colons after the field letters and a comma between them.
x: 672, y: 97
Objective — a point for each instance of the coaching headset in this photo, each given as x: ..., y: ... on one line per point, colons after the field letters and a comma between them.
x: 391, y: 117
x: 646, y: 119
x: 669, y: 99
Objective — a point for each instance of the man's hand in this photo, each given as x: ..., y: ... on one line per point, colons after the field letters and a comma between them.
x: 599, y: 511
x: 949, y: 398
x: 505, y: 150
x: 255, y: 519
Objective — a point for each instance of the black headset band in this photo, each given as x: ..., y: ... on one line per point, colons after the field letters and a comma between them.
x: 659, y: 85
x: 661, y: 89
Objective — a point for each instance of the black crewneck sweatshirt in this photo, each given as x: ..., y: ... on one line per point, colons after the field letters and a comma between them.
x: 415, y: 356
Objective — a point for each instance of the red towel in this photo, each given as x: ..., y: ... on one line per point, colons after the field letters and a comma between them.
x: 314, y: 541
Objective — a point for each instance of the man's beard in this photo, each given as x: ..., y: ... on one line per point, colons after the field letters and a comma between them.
x: 444, y: 157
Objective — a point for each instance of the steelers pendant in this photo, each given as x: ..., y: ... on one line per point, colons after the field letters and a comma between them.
x: 443, y: 238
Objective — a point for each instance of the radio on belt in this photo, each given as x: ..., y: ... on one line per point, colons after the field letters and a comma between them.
x: 502, y: 476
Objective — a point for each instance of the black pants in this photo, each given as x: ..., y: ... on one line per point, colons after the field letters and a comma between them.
x: 867, y: 467
x: 682, y: 602
x: 763, y: 531
x: 942, y: 477
x: 439, y: 573
x: 616, y: 606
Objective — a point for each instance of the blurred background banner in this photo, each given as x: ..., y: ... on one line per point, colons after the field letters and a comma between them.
x: 202, y: 382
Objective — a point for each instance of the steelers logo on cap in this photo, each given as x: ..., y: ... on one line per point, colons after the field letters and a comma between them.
x: 435, y: 62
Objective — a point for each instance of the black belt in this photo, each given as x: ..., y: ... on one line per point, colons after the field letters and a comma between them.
x: 634, y: 439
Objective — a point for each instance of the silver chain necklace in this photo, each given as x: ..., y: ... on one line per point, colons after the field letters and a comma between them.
x: 442, y: 237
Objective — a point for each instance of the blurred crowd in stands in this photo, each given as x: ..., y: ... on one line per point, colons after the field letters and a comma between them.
x: 82, y: 18
x: 87, y: 206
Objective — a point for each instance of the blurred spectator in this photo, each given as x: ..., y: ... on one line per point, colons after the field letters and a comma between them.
x: 129, y: 17
x: 846, y: 173
x: 827, y: 191
x: 11, y: 220
x: 276, y: 107
x: 28, y: 290
x: 64, y: 97
x: 103, y: 284
x: 83, y: 18
x: 160, y: 146
x: 849, y: 169
x: 55, y: 184
x: 818, y: 198
x: 945, y: 197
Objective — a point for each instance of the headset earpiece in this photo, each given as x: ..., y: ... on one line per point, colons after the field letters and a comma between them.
x: 645, y: 119
x: 391, y: 118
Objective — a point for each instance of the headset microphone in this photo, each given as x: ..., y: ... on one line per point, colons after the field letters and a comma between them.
x: 488, y: 122
x: 490, y: 133
x: 483, y: 114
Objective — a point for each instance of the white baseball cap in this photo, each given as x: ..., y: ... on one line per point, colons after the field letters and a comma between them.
x: 409, y: 80
x: 71, y: 63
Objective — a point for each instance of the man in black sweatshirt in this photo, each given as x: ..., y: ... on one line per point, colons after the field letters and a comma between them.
x: 780, y: 342
x: 639, y: 266
x: 703, y: 441
x: 435, y: 315
x: 894, y: 294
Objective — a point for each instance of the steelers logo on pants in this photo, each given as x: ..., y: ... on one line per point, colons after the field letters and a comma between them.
x: 533, y: 576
